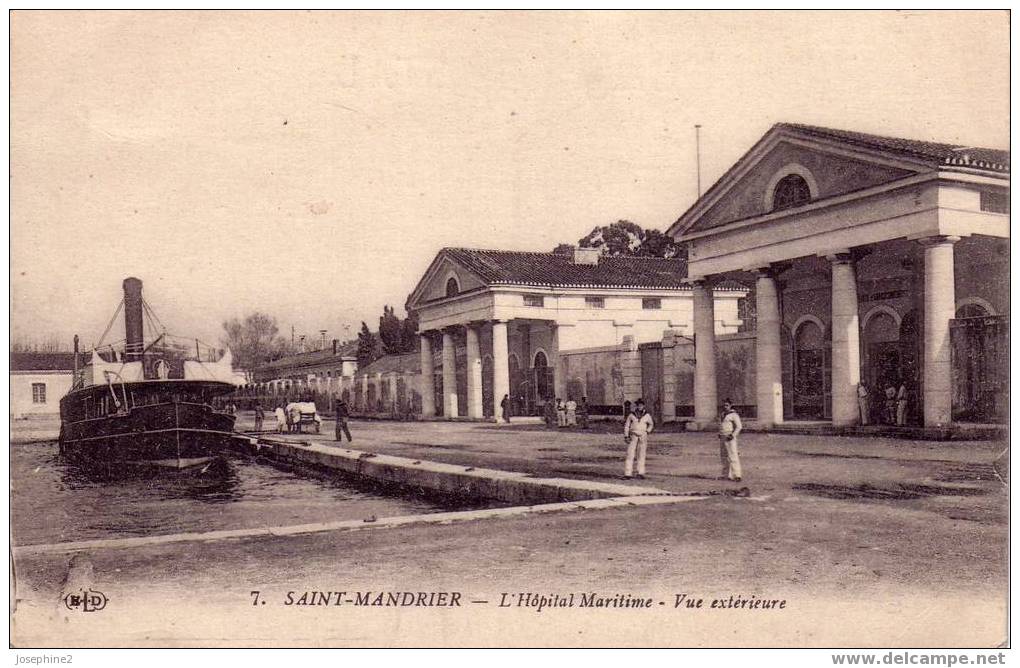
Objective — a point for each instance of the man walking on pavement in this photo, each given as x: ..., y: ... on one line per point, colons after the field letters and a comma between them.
x: 729, y: 428
x: 505, y: 406
x: 582, y: 413
x: 341, y: 420
x: 635, y: 433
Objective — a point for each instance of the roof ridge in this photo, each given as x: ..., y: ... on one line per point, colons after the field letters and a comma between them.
x: 553, y: 254
x: 496, y: 250
x: 840, y: 131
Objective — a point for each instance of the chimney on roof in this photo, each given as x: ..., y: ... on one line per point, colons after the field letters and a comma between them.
x: 587, y: 255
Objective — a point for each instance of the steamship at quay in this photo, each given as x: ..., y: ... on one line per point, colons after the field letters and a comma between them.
x: 146, y: 405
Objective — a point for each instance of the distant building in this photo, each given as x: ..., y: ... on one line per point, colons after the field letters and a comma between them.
x: 38, y: 381
x: 536, y: 326
x: 319, y: 369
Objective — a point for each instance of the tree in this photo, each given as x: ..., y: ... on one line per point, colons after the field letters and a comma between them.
x: 624, y: 238
x: 368, y: 347
x: 251, y: 341
x: 50, y: 344
x: 621, y: 238
x: 658, y: 244
x: 564, y: 249
x: 391, y: 331
x: 409, y: 333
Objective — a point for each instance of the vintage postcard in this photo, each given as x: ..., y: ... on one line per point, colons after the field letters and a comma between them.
x: 509, y: 329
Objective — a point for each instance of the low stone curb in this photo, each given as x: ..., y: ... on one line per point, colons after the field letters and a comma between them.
x: 348, y: 525
x: 465, y: 481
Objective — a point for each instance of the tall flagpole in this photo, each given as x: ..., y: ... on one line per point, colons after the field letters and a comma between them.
x: 697, y: 148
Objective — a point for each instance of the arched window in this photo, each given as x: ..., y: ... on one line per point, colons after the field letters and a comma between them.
x: 881, y: 328
x: 792, y: 190
x: 451, y: 287
x: 971, y: 310
x: 540, y: 360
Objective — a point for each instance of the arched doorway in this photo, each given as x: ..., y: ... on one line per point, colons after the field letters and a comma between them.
x: 810, y: 368
x: 883, y: 356
x: 971, y: 310
x: 979, y: 341
x: 542, y: 374
x: 519, y: 386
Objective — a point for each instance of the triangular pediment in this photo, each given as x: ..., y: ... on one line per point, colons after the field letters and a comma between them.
x: 432, y: 285
x: 829, y: 168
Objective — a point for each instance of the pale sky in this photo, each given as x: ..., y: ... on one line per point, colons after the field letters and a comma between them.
x: 310, y: 165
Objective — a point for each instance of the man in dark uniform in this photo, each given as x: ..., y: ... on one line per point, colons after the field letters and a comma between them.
x: 505, y: 405
x: 260, y: 415
x: 342, y: 414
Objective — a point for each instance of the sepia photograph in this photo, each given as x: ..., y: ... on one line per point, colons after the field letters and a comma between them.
x: 510, y: 329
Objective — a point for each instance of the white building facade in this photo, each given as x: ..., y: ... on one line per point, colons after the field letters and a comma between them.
x: 497, y: 324
x: 37, y: 383
x: 877, y: 263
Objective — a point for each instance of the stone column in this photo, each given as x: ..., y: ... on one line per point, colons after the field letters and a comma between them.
x: 500, y: 366
x: 559, y: 382
x: 449, y: 376
x: 846, y: 341
x: 411, y: 385
x: 706, y: 394
x: 630, y: 368
x: 768, y: 354
x: 428, y: 396
x: 394, y: 406
x: 669, y: 376
x: 474, y: 374
x: 939, y: 309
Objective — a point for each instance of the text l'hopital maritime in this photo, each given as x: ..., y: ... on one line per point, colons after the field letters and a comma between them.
x: 531, y: 600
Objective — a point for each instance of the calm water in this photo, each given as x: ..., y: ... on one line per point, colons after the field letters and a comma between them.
x: 53, y: 502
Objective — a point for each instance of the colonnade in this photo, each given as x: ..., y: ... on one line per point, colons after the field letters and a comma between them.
x: 939, y: 309
x: 475, y: 402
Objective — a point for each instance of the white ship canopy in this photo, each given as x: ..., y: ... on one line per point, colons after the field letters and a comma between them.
x: 98, y: 371
x: 223, y: 370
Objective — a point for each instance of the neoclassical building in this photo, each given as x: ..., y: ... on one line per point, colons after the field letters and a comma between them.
x: 874, y: 260
x: 502, y: 323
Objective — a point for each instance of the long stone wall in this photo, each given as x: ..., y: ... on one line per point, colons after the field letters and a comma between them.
x: 608, y: 376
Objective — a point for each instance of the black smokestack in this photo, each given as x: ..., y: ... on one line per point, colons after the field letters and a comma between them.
x: 133, y: 328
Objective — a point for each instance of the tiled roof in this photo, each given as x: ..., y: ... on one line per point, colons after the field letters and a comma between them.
x: 44, y: 361
x: 497, y: 267
x: 390, y: 363
x: 347, y: 350
x: 934, y: 153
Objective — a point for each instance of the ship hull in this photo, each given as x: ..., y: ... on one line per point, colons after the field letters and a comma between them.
x: 172, y: 435
x: 171, y: 449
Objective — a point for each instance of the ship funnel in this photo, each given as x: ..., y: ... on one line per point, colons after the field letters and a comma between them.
x: 133, y: 327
